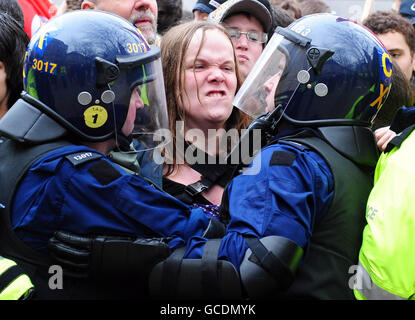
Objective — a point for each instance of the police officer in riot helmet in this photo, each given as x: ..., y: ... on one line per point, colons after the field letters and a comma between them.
x: 314, y: 92
x: 91, y: 84
x: 323, y: 79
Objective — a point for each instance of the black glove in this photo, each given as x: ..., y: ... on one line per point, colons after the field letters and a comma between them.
x: 112, y: 258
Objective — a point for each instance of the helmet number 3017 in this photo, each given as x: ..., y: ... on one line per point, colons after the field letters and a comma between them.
x: 44, y: 66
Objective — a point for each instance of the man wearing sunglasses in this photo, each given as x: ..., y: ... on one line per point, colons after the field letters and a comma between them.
x: 248, y: 23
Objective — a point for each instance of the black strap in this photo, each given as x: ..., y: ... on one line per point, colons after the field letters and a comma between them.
x: 265, y: 257
x: 212, y: 173
x: 198, y: 187
x: 210, y: 276
x: 269, y: 262
x: 7, y: 277
x: 171, y: 272
x: 397, y: 141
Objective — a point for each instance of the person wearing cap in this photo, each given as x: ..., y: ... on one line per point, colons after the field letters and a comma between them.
x: 407, y: 10
x: 249, y: 23
x: 202, y: 8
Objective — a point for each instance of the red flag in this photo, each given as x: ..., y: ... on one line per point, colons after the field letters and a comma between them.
x: 35, y: 12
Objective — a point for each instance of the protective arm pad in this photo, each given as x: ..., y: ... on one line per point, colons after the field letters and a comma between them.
x: 205, y: 278
x: 127, y: 259
x: 269, y: 265
x: 108, y: 257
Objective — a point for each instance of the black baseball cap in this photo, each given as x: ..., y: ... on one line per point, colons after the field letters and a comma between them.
x: 207, y: 5
x: 259, y: 9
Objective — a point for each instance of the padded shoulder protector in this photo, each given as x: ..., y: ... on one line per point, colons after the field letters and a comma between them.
x: 25, y: 123
x: 269, y: 265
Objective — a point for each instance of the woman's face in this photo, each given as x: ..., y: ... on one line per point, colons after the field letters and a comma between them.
x: 210, y: 81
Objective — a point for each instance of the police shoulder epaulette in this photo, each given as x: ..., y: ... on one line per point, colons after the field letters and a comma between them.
x: 294, y: 144
x: 282, y: 158
x: 82, y: 157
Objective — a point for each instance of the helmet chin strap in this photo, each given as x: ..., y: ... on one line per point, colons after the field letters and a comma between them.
x: 123, y: 142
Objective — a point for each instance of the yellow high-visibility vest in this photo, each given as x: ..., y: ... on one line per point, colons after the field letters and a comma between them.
x: 14, y: 284
x: 387, y: 259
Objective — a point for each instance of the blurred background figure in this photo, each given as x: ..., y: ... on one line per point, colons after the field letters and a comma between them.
x: 202, y: 8
x: 281, y: 17
x: 61, y: 8
x: 396, y: 4
x: 292, y: 7
x: 73, y: 4
x: 169, y: 14
x: 13, y: 42
x: 66, y: 6
x: 406, y: 11
x: 36, y: 12
x: 313, y: 6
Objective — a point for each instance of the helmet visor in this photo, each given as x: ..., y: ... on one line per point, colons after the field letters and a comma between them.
x: 256, y: 96
x: 147, y: 118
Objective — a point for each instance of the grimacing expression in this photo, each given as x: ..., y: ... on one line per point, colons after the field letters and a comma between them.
x: 210, y: 80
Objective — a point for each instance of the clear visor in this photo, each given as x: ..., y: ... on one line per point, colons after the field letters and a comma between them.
x: 147, y: 115
x: 256, y: 96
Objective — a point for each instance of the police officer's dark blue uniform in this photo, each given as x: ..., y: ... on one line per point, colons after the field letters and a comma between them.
x: 296, y: 216
x: 87, y: 94
x: 309, y: 193
x: 60, y: 193
x: 284, y: 197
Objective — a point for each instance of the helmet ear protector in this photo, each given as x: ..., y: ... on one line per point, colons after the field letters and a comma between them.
x: 106, y: 71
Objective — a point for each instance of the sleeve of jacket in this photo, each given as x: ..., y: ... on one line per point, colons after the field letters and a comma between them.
x: 291, y: 189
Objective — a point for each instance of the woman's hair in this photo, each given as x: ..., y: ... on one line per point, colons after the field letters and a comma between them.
x: 174, y: 46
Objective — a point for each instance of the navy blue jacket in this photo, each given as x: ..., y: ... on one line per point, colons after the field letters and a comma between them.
x: 284, y: 192
x: 61, y: 192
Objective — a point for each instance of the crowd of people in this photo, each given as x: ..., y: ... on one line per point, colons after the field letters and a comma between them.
x: 119, y: 123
